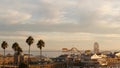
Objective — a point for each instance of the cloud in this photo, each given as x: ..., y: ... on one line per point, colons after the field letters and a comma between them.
x: 57, y: 39
x: 65, y: 11
x: 20, y: 35
x: 13, y: 17
x: 62, y: 21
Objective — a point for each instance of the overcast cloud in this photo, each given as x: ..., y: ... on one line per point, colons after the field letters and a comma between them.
x: 61, y: 23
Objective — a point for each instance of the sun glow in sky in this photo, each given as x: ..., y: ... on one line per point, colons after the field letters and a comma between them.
x: 61, y: 23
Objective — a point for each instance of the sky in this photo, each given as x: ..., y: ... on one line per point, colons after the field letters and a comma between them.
x: 61, y: 23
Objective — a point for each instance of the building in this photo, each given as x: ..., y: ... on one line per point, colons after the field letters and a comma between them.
x: 96, y: 48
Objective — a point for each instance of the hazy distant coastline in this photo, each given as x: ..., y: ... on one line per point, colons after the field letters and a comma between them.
x: 48, y: 53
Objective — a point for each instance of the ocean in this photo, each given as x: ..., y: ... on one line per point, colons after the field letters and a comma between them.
x: 50, y: 54
x: 47, y: 53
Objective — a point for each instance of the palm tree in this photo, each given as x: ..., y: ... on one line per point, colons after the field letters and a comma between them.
x: 4, y: 45
x: 19, y: 51
x: 15, y: 48
x: 29, y: 41
x: 40, y: 44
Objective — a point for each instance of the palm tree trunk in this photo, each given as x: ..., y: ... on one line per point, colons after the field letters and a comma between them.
x: 4, y: 60
x: 15, y: 58
x: 29, y: 57
x: 41, y: 57
x: 40, y: 54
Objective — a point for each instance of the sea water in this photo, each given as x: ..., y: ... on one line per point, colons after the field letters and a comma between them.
x: 50, y: 54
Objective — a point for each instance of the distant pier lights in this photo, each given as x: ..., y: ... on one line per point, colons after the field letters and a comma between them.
x: 96, y: 48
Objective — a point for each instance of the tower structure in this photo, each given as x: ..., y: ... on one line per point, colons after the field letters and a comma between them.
x: 96, y: 48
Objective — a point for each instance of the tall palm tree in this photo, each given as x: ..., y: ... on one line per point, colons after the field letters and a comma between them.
x: 15, y: 47
x: 40, y: 44
x: 19, y: 51
x: 29, y: 41
x: 4, y: 45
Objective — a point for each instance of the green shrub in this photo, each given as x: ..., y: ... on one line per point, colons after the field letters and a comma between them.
x: 23, y: 65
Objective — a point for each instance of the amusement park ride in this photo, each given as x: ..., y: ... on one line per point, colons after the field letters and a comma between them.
x: 73, y: 50
x: 72, y: 53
